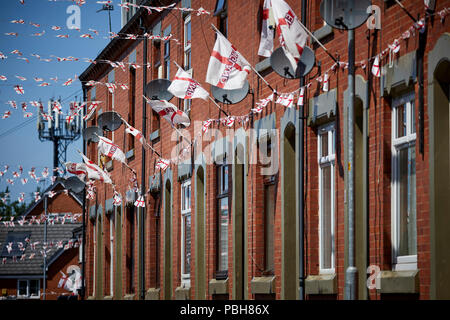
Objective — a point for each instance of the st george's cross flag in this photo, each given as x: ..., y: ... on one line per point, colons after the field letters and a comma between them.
x: 136, y: 133
x: 184, y: 87
x: 291, y: 33
x: 169, y: 112
x: 110, y: 149
x: 227, y: 68
x: 94, y: 172
x: 78, y: 169
x: 266, y: 42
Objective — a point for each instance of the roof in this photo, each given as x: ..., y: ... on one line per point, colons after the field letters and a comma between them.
x: 34, y: 267
x: 78, y: 197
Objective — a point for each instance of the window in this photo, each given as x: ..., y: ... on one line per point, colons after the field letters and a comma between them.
x: 186, y: 232
x: 326, y: 159
x: 156, y: 58
x: 131, y: 106
x: 187, y: 43
x: 269, y: 222
x: 221, y: 12
x: 167, y: 59
x: 131, y: 244
x: 93, y: 93
x: 28, y: 289
x: 222, y: 220
x: 403, y: 191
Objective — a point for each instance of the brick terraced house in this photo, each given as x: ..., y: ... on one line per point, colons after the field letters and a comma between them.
x: 219, y: 224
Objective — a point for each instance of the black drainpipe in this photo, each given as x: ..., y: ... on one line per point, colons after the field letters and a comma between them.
x: 144, y: 132
x: 301, y: 177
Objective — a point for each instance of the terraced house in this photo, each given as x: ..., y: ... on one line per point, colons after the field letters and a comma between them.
x: 237, y: 217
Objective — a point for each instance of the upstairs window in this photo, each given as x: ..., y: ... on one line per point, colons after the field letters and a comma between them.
x: 221, y: 12
x: 186, y: 232
x: 326, y: 159
x: 404, y: 231
x: 222, y: 219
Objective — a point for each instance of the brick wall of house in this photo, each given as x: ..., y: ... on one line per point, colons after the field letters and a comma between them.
x: 244, y: 32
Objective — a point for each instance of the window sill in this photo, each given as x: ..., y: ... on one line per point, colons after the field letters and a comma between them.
x: 152, y: 294
x: 218, y: 286
x: 129, y: 297
x: 263, y: 285
x: 398, y: 281
x: 182, y: 293
x: 154, y: 135
x: 321, y: 284
x: 130, y: 154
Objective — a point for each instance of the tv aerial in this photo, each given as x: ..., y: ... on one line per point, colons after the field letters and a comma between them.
x: 157, y: 90
x: 282, y: 66
x: 230, y: 96
x: 92, y: 134
x: 345, y: 14
x: 109, y: 121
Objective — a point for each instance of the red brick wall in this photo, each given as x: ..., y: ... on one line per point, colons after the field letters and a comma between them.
x: 244, y: 34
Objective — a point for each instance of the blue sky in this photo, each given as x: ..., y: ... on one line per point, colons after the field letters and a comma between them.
x: 19, y: 142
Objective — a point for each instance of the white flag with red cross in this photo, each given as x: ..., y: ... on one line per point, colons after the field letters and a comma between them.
x: 227, y: 68
x: 169, y: 112
x: 376, y: 70
x: 286, y: 100
x: 140, y: 202
x: 19, y: 89
x: 184, y: 87
x: 136, y: 133
x: 292, y: 35
x: 266, y: 42
x: 78, y: 169
x: 94, y: 172
x: 110, y: 149
x: 163, y: 164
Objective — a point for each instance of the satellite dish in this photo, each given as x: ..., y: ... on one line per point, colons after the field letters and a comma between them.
x: 157, y: 90
x: 230, y: 96
x: 74, y: 184
x: 345, y: 14
x: 92, y: 133
x: 109, y: 121
x: 280, y: 63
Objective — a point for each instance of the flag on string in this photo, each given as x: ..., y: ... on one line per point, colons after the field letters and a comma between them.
x: 184, y: 87
x: 325, y: 82
x: 376, y: 71
x: 206, y: 125
x: 110, y: 149
x: 163, y: 164
x: 292, y: 35
x: 227, y: 68
x: 140, y: 202
x: 169, y: 112
x: 286, y: 100
x: 301, y: 97
x: 136, y: 133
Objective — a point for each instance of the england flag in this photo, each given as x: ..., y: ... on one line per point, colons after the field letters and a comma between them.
x: 227, y: 68
x: 184, y: 87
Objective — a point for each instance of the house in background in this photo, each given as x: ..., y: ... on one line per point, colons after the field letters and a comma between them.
x: 22, y: 248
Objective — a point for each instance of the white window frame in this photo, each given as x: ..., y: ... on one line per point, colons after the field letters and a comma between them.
x: 329, y: 160
x: 111, y: 249
x: 185, y: 212
x: 187, y: 46
x: 408, y: 262
x: 28, y: 296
